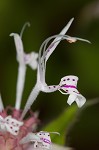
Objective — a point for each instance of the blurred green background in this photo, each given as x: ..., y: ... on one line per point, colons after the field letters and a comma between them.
x: 82, y: 59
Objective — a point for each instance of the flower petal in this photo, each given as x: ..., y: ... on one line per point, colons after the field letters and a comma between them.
x: 19, y: 47
x: 71, y: 99
x: 80, y: 100
x: 12, y: 125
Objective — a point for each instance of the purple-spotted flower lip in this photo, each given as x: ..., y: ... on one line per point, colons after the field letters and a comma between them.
x: 69, y: 86
x: 46, y: 140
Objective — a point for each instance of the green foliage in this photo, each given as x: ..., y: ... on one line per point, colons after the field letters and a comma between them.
x: 60, y: 124
x: 83, y: 133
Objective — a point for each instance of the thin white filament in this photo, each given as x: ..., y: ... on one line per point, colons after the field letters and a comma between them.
x: 55, y: 133
x: 23, y: 28
x: 44, y: 51
x: 62, y: 92
x: 58, y: 39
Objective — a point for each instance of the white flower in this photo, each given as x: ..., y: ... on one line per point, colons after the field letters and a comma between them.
x: 9, y: 124
x: 44, y: 54
x: 23, y: 60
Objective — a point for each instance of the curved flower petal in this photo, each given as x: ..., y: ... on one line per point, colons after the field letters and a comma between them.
x: 19, y: 47
x: 57, y: 40
x: 71, y: 99
x: 80, y: 100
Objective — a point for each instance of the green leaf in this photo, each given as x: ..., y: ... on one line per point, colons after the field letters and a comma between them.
x: 60, y: 124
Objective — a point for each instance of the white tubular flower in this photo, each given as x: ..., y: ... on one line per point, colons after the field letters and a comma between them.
x: 23, y: 60
x: 44, y: 53
x: 68, y: 85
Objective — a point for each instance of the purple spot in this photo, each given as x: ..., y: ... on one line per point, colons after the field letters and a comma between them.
x: 76, y: 92
x: 50, y: 47
x: 68, y: 79
x: 69, y: 86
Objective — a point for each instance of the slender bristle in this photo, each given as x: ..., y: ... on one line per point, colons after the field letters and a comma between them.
x: 23, y: 28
